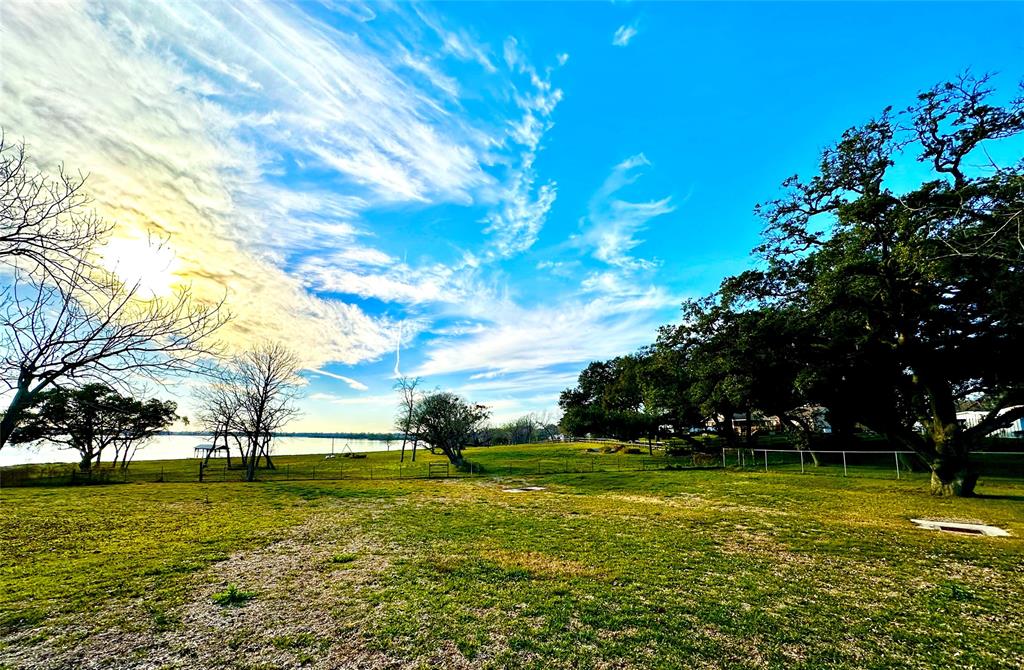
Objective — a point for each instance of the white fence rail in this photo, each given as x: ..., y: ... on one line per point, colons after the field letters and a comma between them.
x: 748, y: 457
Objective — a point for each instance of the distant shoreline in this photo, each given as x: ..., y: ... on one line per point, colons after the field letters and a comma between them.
x: 381, y: 437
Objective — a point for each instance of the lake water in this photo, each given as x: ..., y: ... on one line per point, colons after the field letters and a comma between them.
x: 165, y: 447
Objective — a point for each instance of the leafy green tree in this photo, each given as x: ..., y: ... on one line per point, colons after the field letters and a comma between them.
x: 92, y: 419
x: 917, y: 292
x: 448, y: 423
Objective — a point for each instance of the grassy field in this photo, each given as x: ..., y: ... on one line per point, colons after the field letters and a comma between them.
x: 605, y: 569
x: 491, y: 461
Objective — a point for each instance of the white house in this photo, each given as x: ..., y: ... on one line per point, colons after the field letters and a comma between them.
x: 973, y: 418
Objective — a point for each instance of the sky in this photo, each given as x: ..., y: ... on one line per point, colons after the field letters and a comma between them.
x: 485, y: 195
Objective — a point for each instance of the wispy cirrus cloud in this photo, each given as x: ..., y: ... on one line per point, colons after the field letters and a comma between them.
x: 612, y: 222
x: 351, y: 383
x: 525, y: 204
x: 624, y: 34
x: 574, y: 330
x: 203, y: 123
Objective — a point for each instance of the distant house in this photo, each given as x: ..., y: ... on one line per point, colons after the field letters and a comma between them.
x: 971, y: 418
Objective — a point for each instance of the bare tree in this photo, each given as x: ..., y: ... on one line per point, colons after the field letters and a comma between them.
x: 408, y: 395
x: 66, y: 321
x: 89, y: 328
x: 44, y: 227
x: 219, y: 406
x: 265, y: 385
x: 544, y: 427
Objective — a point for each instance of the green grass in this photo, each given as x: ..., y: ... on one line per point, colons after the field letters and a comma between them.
x: 232, y: 596
x: 630, y: 569
x: 518, y: 460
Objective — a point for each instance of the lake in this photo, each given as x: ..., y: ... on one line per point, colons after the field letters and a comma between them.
x: 165, y: 447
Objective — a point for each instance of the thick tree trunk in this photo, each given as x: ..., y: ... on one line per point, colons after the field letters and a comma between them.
x: 954, y: 481
x: 952, y: 471
x: 455, y: 457
x: 726, y: 429
x: 13, y: 413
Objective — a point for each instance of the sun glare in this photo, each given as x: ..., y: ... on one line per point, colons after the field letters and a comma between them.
x: 149, y: 265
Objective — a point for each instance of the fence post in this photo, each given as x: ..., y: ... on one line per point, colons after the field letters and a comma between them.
x: 844, y: 463
x: 801, y: 461
x: 766, y: 460
x: 897, y: 457
x: 723, y: 457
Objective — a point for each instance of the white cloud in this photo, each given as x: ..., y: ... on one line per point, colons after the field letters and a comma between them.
x: 517, y: 222
x: 373, y: 401
x: 612, y: 223
x: 189, y: 115
x: 459, y: 43
x: 572, y: 331
x: 369, y: 273
x: 352, y: 383
x: 623, y: 35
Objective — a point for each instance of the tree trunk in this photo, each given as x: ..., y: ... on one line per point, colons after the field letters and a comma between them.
x: 251, y: 457
x: 952, y: 471
x: 401, y: 459
x: 13, y: 413
x: 266, y: 455
x: 727, y: 428
x: 954, y: 480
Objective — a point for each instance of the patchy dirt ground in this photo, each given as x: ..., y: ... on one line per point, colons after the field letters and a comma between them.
x: 306, y: 612
x: 617, y: 571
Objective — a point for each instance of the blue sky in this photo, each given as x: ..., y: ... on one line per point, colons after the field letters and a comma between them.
x: 501, y: 192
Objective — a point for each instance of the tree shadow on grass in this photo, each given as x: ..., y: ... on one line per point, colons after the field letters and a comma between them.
x: 988, y: 496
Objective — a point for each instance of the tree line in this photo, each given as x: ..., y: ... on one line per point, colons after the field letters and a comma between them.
x: 879, y: 301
